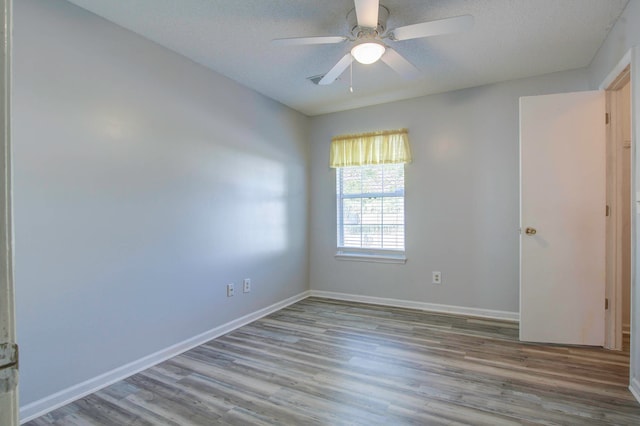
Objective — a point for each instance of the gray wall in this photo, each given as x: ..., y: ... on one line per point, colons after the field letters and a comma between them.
x: 622, y: 38
x: 143, y: 184
x: 462, y: 202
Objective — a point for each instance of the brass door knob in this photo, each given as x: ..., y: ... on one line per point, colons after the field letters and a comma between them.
x: 530, y: 231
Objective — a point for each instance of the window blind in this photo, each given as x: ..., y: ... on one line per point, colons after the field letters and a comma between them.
x: 371, y: 207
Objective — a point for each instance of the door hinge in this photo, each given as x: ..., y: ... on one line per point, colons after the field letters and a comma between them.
x: 606, y: 118
x: 8, y: 367
x: 8, y: 354
x: 607, y: 211
x: 606, y: 304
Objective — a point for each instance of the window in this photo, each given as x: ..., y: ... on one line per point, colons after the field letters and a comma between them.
x: 370, y: 214
x: 370, y: 194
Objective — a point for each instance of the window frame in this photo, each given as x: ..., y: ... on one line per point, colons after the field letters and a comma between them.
x: 366, y: 254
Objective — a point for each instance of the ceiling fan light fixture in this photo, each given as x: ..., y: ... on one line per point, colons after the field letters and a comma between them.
x: 368, y: 51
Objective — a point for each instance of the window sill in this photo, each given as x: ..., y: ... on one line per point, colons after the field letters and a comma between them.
x: 372, y: 257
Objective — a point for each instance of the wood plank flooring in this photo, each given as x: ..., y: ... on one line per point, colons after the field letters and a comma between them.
x: 325, y: 362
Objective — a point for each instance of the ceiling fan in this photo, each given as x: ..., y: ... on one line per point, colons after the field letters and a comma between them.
x: 368, y: 23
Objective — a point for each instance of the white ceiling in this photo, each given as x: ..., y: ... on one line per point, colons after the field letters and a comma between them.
x: 510, y: 39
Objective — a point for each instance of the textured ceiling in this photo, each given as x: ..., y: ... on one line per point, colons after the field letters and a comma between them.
x: 510, y: 39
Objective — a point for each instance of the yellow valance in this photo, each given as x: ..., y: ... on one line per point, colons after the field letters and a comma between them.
x: 384, y: 147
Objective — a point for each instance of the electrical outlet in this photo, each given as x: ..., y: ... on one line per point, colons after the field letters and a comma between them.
x: 436, y: 277
x: 230, y: 290
x: 246, y: 285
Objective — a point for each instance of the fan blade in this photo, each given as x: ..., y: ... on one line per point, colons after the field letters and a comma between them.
x: 299, y: 41
x: 337, y: 69
x: 367, y: 13
x: 433, y: 28
x: 399, y: 64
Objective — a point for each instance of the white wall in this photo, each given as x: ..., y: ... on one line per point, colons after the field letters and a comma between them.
x: 462, y: 214
x: 143, y: 184
x: 624, y: 37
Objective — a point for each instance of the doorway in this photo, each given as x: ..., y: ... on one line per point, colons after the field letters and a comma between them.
x: 619, y: 199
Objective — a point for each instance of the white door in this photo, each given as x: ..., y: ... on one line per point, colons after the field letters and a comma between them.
x: 8, y: 351
x: 562, y: 200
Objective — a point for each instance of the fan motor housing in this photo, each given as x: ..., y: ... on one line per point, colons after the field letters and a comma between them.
x: 356, y: 30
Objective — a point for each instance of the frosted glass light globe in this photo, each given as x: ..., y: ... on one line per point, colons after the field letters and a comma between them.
x: 368, y: 52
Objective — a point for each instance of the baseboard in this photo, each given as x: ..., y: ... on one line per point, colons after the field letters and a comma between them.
x: 433, y: 307
x: 58, y: 399
x: 634, y: 387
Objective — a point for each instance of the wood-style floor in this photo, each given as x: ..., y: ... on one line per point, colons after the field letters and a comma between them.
x: 340, y: 363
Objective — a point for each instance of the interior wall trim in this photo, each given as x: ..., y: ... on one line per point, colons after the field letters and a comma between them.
x: 615, y: 72
x: 65, y: 396
x: 634, y: 387
x: 432, y: 307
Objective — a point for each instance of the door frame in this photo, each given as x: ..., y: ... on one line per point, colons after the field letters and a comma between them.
x: 9, y: 399
x: 613, y: 287
x: 631, y: 59
x: 614, y: 249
